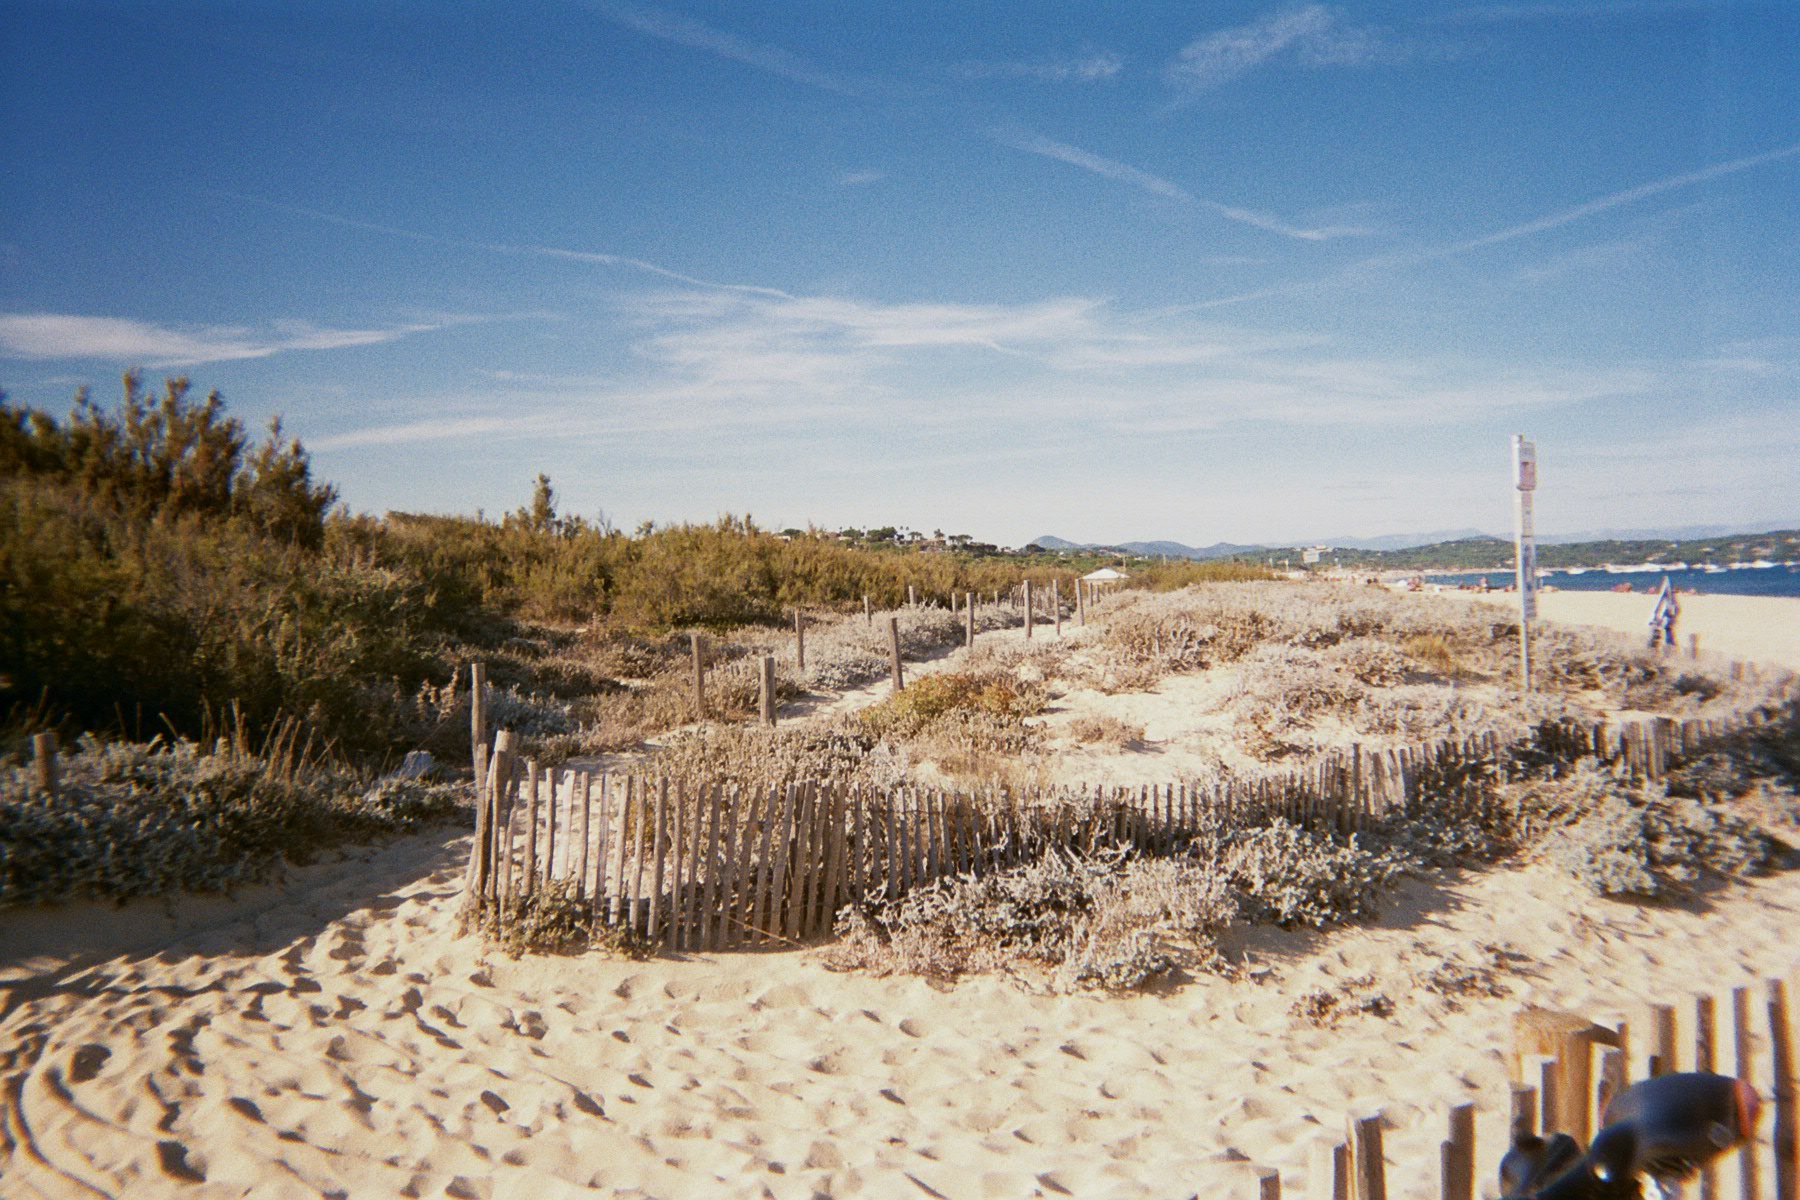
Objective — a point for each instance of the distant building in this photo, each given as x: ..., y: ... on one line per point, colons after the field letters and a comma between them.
x: 1311, y: 554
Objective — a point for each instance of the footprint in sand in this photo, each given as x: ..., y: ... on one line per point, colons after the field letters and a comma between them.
x: 86, y: 1062
x: 247, y: 1109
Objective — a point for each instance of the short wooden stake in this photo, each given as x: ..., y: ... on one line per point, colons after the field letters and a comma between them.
x: 894, y: 653
x: 1781, y: 1074
x: 1663, y: 1060
x: 868, y: 612
x: 799, y: 642
x: 550, y: 807
x: 699, y: 676
x: 43, y: 757
x: 768, y: 689
x: 478, y: 721
x: 1368, y: 1166
x: 969, y: 616
x: 1614, y: 1078
x: 1458, y: 1155
x: 1056, y: 604
x: 1749, y: 1170
x: 1028, y: 610
x: 531, y: 825
x: 1329, y: 1178
x: 1268, y: 1185
x: 659, y: 914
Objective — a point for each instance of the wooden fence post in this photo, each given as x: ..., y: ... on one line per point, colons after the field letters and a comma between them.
x: 531, y: 825
x: 550, y: 807
x: 894, y: 653
x: 1781, y: 1073
x: 1705, y: 1039
x: 1662, y: 1034
x: 43, y: 757
x: 1056, y: 603
x: 1028, y: 610
x: 969, y: 616
x: 499, y: 848
x: 1749, y: 1175
x: 868, y: 613
x: 1330, y: 1175
x: 660, y: 850
x: 1458, y: 1162
x: 1368, y: 1167
x: 799, y: 642
x: 768, y: 689
x: 478, y: 722
x: 1081, y: 602
x: 1268, y: 1185
x: 475, y: 879
x: 699, y: 676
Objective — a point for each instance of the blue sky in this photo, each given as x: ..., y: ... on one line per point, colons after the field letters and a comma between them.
x: 1223, y: 271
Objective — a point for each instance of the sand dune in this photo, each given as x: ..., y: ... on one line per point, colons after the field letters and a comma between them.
x: 335, y: 1037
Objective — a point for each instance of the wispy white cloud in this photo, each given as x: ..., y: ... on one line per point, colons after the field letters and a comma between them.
x: 1089, y: 161
x: 1072, y: 360
x: 1089, y: 68
x: 685, y: 31
x: 433, y: 429
x: 54, y: 336
x: 1628, y: 196
x: 1156, y: 185
x: 861, y: 178
x: 1313, y: 36
x: 1502, y: 14
x: 553, y: 253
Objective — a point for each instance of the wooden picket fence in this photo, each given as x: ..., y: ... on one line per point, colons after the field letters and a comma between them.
x: 704, y: 866
x: 1749, y: 1032
x: 696, y: 865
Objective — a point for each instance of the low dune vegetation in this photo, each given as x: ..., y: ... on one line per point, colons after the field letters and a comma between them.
x: 235, y: 666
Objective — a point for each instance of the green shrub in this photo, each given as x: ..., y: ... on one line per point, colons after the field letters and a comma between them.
x: 930, y: 698
x: 1288, y: 876
x: 1630, y: 839
x: 142, y: 820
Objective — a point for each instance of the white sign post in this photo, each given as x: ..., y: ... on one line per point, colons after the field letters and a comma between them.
x: 1525, y: 549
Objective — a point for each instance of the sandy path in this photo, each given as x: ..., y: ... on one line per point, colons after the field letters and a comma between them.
x: 338, y: 1039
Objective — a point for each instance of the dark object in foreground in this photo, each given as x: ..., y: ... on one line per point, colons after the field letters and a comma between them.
x: 1534, y: 1161
x: 1667, y: 1128
x: 1671, y: 1126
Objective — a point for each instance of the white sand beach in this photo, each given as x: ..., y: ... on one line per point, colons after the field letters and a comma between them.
x: 333, y: 1036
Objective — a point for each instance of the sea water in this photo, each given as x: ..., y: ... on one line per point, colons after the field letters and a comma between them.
x: 1780, y: 579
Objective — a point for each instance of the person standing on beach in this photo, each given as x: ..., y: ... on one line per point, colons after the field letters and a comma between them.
x: 1662, y: 617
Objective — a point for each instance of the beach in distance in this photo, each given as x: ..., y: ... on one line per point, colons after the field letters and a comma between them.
x: 1761, y: 629
x: 335, y: 1035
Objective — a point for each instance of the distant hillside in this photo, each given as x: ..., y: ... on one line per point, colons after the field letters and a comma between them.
x: 1491, y: 554
x: 1147, y: 549
x: 1475, y: 551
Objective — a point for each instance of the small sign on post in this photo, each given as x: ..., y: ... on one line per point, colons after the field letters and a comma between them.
x: 1525, y: 548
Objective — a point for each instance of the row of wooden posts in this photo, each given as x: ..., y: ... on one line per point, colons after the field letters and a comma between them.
x: 896, y: 671
x: 1567, y: 1069
x: 704, y: 865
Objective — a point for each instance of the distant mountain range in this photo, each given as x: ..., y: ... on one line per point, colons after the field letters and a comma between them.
x: 1408, y: 541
